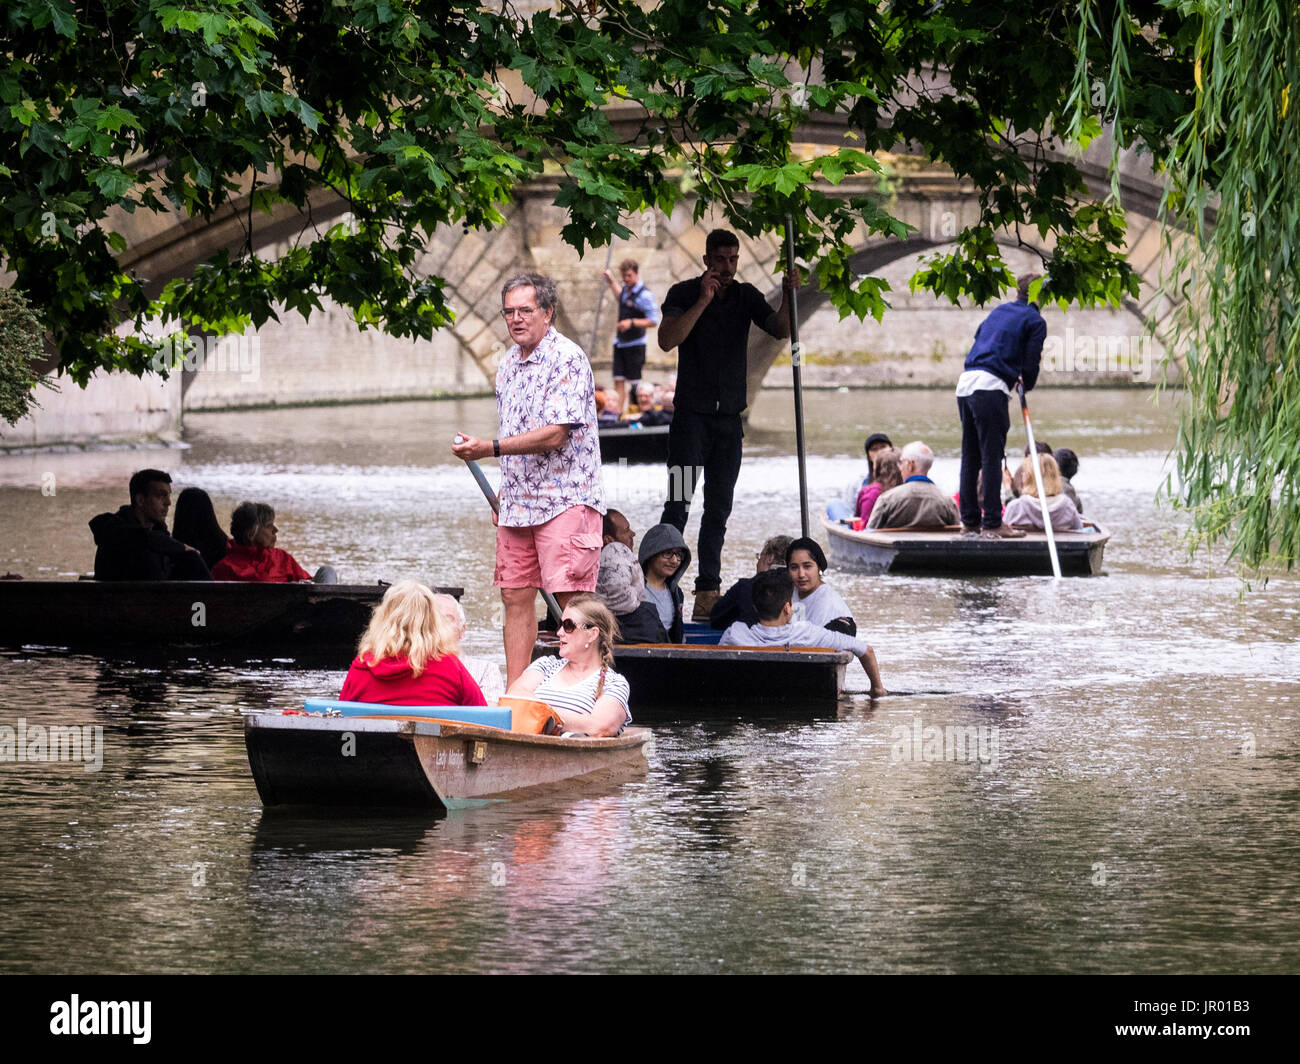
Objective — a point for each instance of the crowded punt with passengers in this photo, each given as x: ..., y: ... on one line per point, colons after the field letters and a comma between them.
x: 134, y: 544
x: 991, y: 501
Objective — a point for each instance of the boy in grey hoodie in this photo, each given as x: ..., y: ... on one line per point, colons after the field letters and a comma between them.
x: 663, y: 574
x: 773, y: 592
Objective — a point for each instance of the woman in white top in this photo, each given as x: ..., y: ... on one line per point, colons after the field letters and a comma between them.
x: 1026, y: 511
x: 816, y: 602
x: 581, y: 684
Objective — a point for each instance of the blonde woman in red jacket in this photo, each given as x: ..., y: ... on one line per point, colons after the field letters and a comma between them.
x: 408, y: 655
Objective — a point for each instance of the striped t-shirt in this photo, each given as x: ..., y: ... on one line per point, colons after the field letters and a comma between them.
x: 579, y: 697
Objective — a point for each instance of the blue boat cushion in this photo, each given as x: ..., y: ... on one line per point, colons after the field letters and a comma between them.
x: 699, y: 633
x: 488, y: 716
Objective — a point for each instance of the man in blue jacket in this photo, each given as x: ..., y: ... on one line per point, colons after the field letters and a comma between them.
x: 1008, y: 347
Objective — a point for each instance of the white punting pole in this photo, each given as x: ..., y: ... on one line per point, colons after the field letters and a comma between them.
x: 1038, y: 480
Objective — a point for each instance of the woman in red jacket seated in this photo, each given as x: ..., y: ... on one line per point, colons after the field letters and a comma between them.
x: 252, y: 554
x: 407, y: 656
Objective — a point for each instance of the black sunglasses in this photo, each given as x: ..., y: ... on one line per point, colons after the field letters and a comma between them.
x: 570, y: 627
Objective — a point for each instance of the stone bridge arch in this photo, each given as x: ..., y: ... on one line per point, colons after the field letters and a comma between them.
x: 476, y: 263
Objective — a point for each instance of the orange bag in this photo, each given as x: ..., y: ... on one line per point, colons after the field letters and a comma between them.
x: 530, y: 716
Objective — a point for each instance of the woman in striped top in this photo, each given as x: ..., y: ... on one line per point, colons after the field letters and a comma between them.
x: 581, y: 684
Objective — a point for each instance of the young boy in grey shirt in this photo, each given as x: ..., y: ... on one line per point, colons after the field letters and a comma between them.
x: 773, y: 592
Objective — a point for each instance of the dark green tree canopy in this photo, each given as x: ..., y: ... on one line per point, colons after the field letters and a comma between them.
x: 398, y: 108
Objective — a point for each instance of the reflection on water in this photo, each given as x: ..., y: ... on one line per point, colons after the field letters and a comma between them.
x: 1141, y: 814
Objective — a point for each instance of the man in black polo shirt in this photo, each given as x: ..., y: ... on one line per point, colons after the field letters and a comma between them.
x: 709, y: 316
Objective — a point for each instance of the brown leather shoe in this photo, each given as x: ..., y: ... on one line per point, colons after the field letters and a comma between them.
x: 1003, y: 532
x: 704, y: 603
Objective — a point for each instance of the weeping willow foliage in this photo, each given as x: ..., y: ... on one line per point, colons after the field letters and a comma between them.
x: 1232, y: 224
x: 22, y: 347
x: 1234, y: 168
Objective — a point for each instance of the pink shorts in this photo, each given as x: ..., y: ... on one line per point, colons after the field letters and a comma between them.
x: 561, y: 555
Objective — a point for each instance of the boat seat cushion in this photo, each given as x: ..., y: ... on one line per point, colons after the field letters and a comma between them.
x: 488, y: 716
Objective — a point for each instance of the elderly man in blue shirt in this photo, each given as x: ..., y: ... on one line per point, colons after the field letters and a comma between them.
x: 918, y: 502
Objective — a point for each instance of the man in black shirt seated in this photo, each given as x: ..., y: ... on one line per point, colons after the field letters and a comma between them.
x: 133, y: 543
x: 738, y: 603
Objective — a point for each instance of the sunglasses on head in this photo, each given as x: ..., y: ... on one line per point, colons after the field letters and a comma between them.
x: 571, y: 626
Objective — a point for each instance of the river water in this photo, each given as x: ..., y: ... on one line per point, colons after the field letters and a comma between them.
x: 1136, y: 810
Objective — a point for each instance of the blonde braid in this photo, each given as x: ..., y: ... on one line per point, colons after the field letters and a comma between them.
x: 606, y: 661
x: 598, y: 615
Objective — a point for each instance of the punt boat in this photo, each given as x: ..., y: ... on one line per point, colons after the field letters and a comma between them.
x: 433, y: 758
x: 270, y: 619
x: 678, y: 681
x: 947, y: 552
x: 634, y: 444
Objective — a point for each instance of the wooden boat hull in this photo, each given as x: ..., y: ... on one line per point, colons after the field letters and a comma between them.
x: 424, y: 764
x: 271, y: 619
x: 634, y: 445
x: 681, y: 681
x: 948, y: 553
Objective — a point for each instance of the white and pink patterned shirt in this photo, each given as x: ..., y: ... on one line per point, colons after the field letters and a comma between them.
x: 552, y: 386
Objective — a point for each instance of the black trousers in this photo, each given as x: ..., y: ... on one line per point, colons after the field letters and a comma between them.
x: 708, y: 444
x: 984, y: 425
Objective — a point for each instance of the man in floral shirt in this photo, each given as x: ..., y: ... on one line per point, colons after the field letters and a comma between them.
x: 552, y: 495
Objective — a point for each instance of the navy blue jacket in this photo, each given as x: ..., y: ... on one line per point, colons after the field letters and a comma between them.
x: 1009, y: 343
x: 736, y: 605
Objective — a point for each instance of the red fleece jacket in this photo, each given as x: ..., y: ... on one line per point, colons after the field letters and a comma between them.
x: 445, y: 682
x: 260, y: 565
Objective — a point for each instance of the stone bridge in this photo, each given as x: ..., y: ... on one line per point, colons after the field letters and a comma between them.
x: 475, y: 263
x: 328, y: 359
